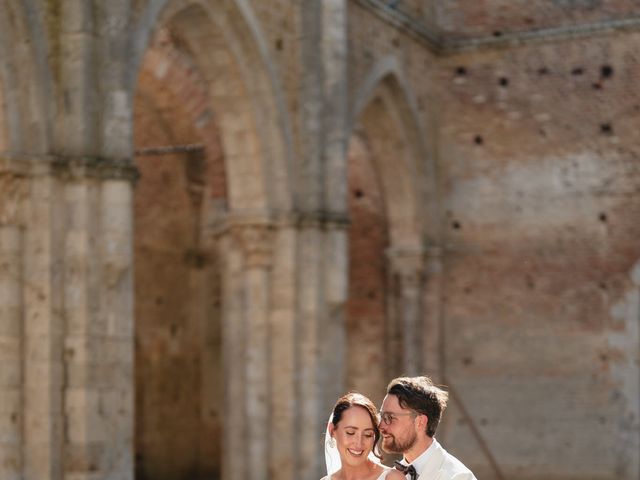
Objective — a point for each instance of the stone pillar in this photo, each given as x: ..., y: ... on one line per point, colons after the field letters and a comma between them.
x: 98, y: 313
x: 256, y: 243
x: 233, y: 342
x: 11, y: 317
x: 116, y: 310
x: 282, y: 345
x: 406, y: 268
x: 308, y: 419
x: 43, y: 373
x: 320, y: 335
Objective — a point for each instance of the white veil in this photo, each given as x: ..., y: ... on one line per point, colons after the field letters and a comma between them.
x: 331, y: 454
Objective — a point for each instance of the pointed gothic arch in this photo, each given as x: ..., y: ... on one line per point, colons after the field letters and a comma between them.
x: 385, y: 117
x: 248, y: 238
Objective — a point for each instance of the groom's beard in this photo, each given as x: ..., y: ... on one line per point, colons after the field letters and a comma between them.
x: 393, y: 445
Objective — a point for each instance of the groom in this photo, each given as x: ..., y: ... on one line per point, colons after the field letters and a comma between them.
x: 410, y: 415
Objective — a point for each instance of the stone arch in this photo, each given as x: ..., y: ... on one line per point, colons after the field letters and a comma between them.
x: 228, y: 51
x: 26, y: 79
x: 411, y: 183
x: 242, y: 82
x: 386, y: 118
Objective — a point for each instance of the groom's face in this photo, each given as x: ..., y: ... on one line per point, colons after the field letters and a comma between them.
x: 399, y: 434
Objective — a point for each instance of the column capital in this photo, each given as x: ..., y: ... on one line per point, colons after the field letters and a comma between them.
x: 80, y: 167
x: 256, y: 242
x: 252, y: 231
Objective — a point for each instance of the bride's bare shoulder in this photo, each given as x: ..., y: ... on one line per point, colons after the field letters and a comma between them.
x: 395, y: 475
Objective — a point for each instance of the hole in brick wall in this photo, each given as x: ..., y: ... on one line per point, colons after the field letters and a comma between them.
x: 528, y: 20
x: 159, y: 300
x: 456, y: 225
x: 461, y: 71
x: 358, y: 193
x: 596, y: 86
x: 279, y: 44
x: 606, y: 129
x: 602, y: 286
x: 478, y: 140
x: 530, y: 283
x: 602, y: 217
x: 14, y: 417
x: 606, y: 71
x: 467, y: 360
x: 577, y: 71
x: 497, y: 33
x: 371, y: 295
x: 503, y: 81
x: 543, y: 71
x: 173, y: 329
x: 542, y: 132
x: 467, y: 290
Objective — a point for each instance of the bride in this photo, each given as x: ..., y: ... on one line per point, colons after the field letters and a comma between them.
x: 351, y: 439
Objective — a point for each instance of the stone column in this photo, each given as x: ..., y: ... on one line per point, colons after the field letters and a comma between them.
x: 43, y: 374
x: 11, y: 341
x: 282, y: 344
x: 320, y: 334
x: 116, y: 310
x: 406, y: 268
x: 308, y: 420
x: 256, y: 242
x: 233, y: 346
x: 10, y: 352
x: 98, y: 313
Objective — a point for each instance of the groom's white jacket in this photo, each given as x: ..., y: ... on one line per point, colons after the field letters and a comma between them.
x: 441, y: 465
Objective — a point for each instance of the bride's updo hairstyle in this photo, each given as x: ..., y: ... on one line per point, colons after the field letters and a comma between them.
x: 353, y: 399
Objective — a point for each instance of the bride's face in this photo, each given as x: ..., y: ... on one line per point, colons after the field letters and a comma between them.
x: 355, y: 435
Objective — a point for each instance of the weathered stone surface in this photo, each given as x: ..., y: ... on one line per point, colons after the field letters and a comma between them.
x: 217, y: 216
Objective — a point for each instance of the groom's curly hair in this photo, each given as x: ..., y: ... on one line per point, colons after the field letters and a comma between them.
x: 354, y: 399
x: 422, y: 396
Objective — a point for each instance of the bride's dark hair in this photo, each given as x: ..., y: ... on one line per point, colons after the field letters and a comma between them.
x: 355, y: 399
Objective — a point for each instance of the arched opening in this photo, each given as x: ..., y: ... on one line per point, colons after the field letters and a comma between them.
x: 385, y: 321
x: 178, y: 326
x: 212, y: 153
x: 368, y: 240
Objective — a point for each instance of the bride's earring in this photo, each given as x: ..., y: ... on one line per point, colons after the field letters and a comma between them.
x: 331, y: 442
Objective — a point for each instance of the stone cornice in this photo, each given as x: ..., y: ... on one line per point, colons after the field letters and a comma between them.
x: 94, y: 167
x: 321, y: 220
x: 434, y: 40
x: 69, y: 167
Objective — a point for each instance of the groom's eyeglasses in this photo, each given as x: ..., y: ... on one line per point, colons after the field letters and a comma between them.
x: 388, y: 417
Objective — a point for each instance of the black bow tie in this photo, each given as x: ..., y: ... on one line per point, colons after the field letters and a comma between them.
x: 406, y: 469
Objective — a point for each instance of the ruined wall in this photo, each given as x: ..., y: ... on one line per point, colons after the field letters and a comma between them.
x: 536, y: 159
x: 540, y: 180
